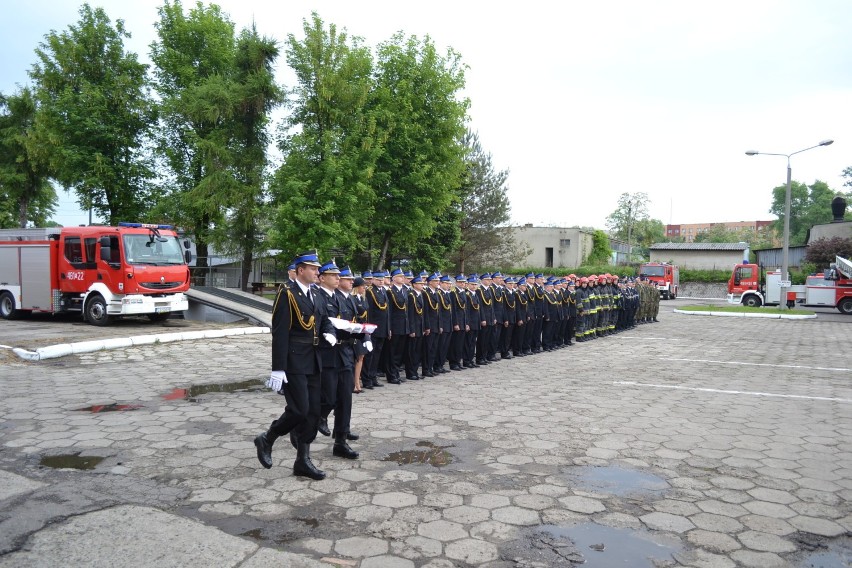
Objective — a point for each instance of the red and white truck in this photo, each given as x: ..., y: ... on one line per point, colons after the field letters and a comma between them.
x: 831, y: 288
x: 666, y: 276
x: 101, y: 272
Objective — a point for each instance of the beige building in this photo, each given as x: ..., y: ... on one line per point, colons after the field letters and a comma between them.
x: 554, y: 247
x: 691, y: 230
x: 700, y: 256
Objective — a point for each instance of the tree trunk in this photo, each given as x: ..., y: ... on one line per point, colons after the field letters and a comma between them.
x: 383, y: 254
x: 246, y: 268
x: 23, y: 210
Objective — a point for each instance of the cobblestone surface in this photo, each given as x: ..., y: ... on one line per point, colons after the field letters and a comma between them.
x: 747, y: 423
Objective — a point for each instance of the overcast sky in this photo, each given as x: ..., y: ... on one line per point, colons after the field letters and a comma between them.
x: 583, y: 101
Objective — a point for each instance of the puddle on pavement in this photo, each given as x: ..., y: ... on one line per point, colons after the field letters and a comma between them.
x: 71, y: 461
x: 436, y: 456
x: 192, y: 393
x: 825, y: 553
x: 114, y: 407
x: 256, y: 534
x: 616, y: 481
x: 826, y: 560
x: 603, y: 547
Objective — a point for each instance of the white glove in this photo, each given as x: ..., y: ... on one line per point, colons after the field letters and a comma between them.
x: 368, y: 345
x: 332, y: 340
x: 276, y: 380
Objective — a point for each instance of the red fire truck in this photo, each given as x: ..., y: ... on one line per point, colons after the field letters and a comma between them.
x: 667, y: 277
x: 831, y: 288
x: 101, y: 272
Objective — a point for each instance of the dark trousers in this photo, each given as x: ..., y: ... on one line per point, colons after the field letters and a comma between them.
x: 569, y: 329
x: 518, y: 338
x: 529, y: 327
x: 337, y: 385
x: 372, y: 359
x: 303, y: 394
x: 396, y: 355
x: 547, y: 328
x: 457, y: 342
x: 470, y: 345
x: 430, y: 350
x: 506, y: 339
x: 537, y: 330
x: 494, y: 343
x: 413, y: 356
x: 483, y: 342
x: 443, y: 349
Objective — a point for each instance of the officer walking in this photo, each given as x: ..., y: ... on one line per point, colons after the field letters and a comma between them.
x: 299, y: 323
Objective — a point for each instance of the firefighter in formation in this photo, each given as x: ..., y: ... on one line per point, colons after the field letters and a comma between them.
x: 425, y: 325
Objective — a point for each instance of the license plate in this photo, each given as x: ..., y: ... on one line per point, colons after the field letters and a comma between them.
x: 162, y: 310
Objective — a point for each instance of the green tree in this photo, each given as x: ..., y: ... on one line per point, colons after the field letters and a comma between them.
x: 95, y: 116
x: 26, y: 194
x: 809, y: 205
x: 257, y: 95
x: 195, y: 66
x: 417, y: 104
x: 601, y: 253
x: 330, y: 142
x: 483, y: 210
x: 821, y: 252
x: 632, y: 209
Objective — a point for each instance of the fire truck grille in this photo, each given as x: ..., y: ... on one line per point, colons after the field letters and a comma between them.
x: 160, y: 285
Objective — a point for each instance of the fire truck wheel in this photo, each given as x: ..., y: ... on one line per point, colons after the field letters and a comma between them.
x: 7, y: 306
x: 96, y: 311
x: 845, y: 306
x: 751, y: 301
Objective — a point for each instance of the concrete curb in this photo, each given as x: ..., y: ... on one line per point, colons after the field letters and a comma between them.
x: 63, y: 349
x: 743, y: 315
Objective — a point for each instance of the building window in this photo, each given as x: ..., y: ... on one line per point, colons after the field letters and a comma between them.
x: 548, y: 257
x: 564, y: 243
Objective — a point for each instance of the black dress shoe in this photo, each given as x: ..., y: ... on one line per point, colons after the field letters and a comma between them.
x: 264, y: 450
x: 429, y: 374
x: 413, y: 378
x: 492, y: 359
x: 349, y: 435
x: 455, y: 368
x: 394, y: 382
x: 322, y: 428
x: 342, y: 450
x: 304, y: 467
x: 367, y: 385
x: 377, y: 384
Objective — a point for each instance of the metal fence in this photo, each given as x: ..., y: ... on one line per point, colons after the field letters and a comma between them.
x: 227, y: 272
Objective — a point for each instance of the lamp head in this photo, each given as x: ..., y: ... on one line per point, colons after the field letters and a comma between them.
x: 826, y: 143
x: 754, y: 152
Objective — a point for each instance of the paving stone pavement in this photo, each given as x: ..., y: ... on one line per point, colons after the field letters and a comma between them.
x: 743, y: 427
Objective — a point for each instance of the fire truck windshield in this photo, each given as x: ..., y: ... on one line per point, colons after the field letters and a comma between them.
x: 143, y: 249
x: 652, y: 271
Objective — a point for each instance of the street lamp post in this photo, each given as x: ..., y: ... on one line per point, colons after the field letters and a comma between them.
x: 785, y: 254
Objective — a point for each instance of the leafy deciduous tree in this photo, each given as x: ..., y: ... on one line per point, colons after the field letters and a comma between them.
x: 330, y: 143
x: 26, y: 194
x: 809, y: 205
x: 95, y: 115
x: 195, y: 66
x: 422, y: 160
x: 821, y: 252
x: 632, y: 209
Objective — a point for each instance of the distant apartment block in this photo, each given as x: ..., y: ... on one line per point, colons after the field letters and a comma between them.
x: 689, y: 231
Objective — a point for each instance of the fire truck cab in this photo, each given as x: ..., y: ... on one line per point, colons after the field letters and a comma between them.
x: 101, y: 272
x: 665, y: 275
